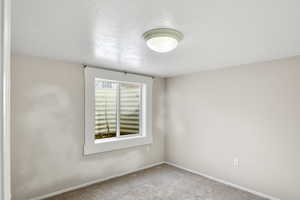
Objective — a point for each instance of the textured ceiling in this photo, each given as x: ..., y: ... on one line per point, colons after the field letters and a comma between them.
x: 108, y: 33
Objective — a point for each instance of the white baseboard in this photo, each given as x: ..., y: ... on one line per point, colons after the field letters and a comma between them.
x: 94, y: 182
x: 224, y: 182
x: 149, y: 166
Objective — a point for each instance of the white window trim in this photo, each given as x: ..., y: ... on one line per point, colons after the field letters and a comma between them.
x: 102, y: 145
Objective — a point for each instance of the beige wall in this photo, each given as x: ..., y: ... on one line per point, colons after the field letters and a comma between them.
x: 251, y: 112
x: 48, y: 130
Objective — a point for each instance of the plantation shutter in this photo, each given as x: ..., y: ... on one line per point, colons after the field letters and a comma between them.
x: 115, y: 101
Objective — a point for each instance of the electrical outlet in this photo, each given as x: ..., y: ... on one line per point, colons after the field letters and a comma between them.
x: 235, y: 162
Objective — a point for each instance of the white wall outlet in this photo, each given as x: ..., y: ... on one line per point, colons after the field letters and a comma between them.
x: 235, y: 162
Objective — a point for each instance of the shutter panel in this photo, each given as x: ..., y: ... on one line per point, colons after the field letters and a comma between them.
x: 105, y: 109
x: 129, y: 109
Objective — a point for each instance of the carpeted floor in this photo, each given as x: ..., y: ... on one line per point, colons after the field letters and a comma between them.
x: 162, y: 182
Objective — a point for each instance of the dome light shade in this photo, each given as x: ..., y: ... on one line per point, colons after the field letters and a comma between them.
x: 162, y: 44
x: 162, y: 39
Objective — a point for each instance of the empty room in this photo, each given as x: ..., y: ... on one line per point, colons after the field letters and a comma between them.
x: 150, y: 100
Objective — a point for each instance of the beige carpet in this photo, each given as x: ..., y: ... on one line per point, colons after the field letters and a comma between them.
x: 163, y: 182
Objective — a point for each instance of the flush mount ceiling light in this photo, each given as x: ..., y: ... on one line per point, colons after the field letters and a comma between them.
x: 162, y: 39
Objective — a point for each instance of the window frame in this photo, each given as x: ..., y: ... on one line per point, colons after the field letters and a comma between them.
x: 91, y: 145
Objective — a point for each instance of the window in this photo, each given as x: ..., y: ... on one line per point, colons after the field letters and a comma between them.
x: 113, y: 101
x: 117, y: 110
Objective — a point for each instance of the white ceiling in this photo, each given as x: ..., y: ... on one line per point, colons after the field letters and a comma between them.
x: 108, y: 33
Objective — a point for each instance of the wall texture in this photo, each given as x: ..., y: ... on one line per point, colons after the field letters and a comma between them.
x: 251, y: 112
x: 48, y: 130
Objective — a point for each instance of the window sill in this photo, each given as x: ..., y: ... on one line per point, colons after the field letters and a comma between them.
x: 114, y: 139
x: 105, y: 145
